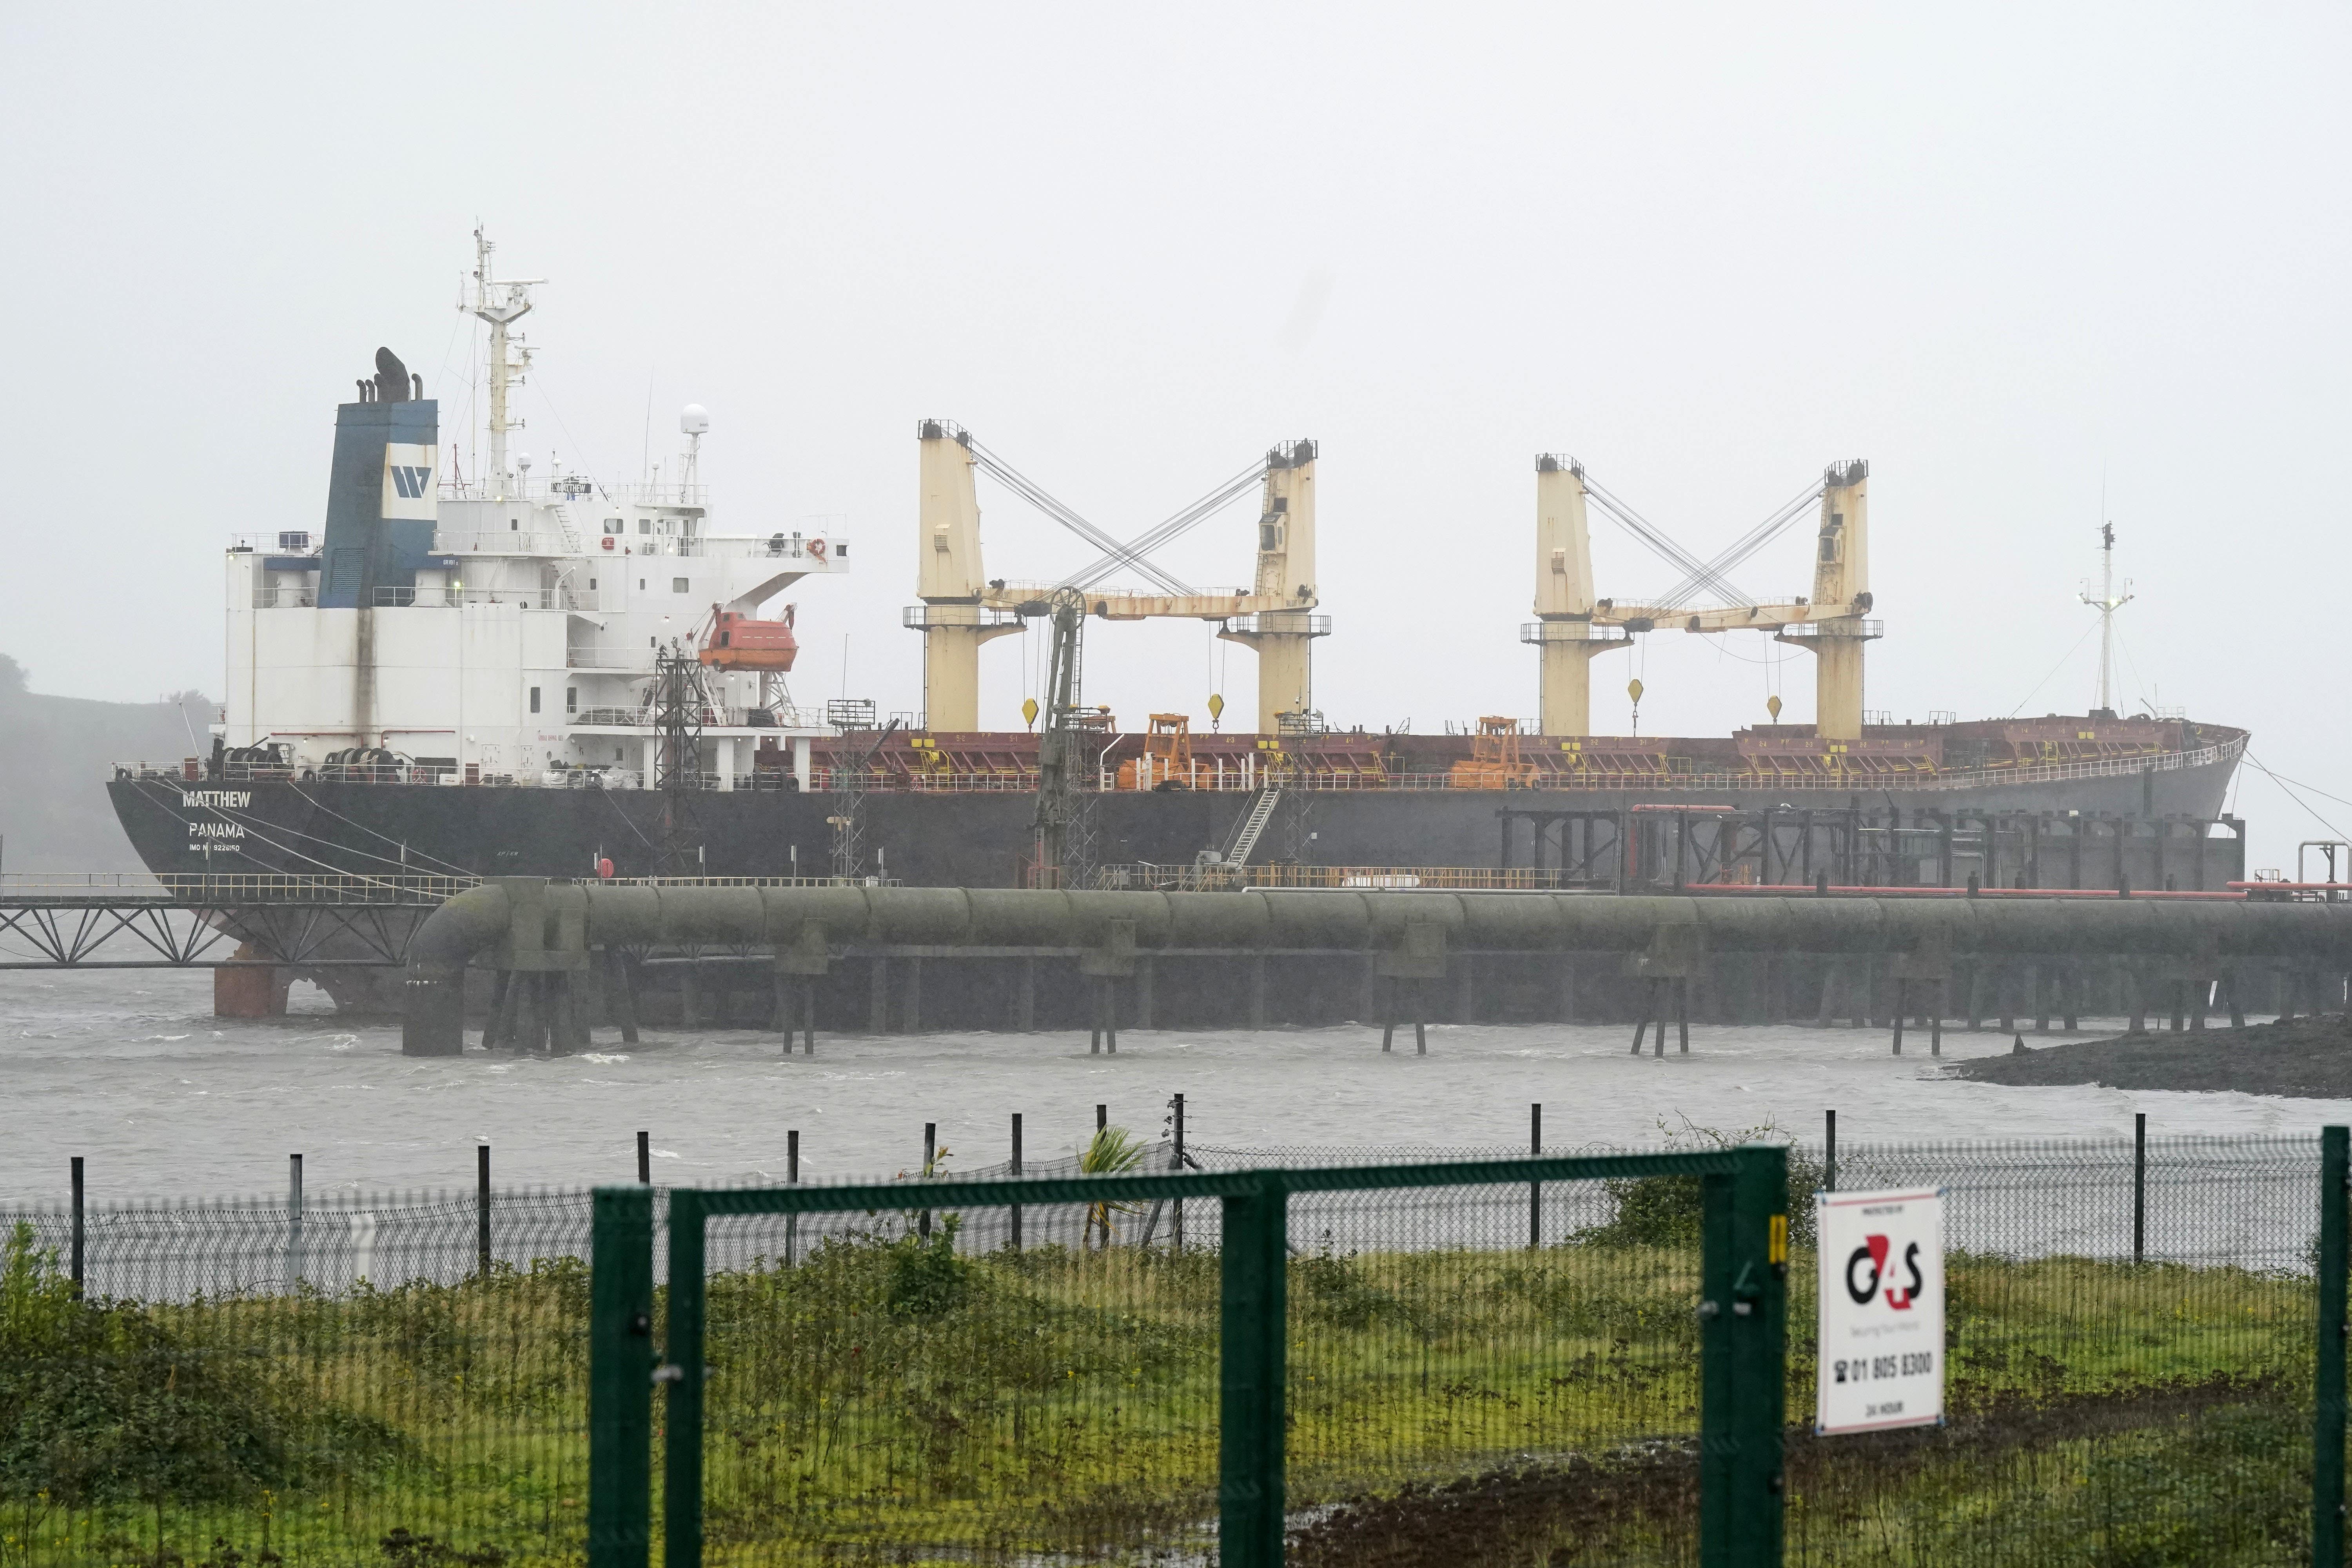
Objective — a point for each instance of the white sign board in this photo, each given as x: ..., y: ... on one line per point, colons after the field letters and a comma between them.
x: 409, y: 492
x: 1882, y: 1313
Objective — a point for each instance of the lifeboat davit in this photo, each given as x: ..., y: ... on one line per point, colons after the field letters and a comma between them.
x: 736, y: 641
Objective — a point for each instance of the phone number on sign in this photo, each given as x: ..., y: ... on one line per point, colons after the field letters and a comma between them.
x: 1863, y: 1369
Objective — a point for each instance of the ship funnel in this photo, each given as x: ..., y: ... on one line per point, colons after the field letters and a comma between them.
x: 390, y: 377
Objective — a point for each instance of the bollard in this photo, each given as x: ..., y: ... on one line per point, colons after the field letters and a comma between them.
x: 645, y: 1158
x: 1829, y: 1151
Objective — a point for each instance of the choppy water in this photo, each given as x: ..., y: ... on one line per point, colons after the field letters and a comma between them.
x: 134, y: 1072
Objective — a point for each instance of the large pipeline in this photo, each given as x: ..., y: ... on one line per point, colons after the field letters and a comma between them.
x: 526, y: 925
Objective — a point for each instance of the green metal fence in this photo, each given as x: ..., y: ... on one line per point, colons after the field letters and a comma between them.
x: 2146, y: 1349
x: 770, y: 1440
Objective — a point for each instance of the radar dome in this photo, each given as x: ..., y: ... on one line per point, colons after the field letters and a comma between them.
x: 695, y: 420
x: 522, y: 461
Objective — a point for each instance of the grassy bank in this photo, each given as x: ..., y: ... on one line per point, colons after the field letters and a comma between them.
x: 889, y: 1400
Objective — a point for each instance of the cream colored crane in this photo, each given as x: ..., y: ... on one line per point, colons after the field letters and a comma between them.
x: 1833, y: 623
x: 963, y: 608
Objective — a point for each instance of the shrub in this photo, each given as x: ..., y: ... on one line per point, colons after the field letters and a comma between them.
x: 1665, y: 1211
x: 109, y: 1401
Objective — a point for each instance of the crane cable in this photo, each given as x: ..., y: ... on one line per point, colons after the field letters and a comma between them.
x: 1701, y: 574
x: 1649, y: 534
x: 1035, y: 495
x: 1183, y: 522
x: 1741, y: 549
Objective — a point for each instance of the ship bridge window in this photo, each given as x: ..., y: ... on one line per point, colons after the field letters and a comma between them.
x: 644, y: 525
x: 616, y: 525
x: 681, y: 585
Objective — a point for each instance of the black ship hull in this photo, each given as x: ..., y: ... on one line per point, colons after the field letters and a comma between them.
x: 298, y: 826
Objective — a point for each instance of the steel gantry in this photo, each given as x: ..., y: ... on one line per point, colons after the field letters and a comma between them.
x: 201, y: 922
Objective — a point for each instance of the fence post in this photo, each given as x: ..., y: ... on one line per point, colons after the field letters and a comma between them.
x: 1015, y: 1216
x: 681, y: 1369
x: 1535, y: 1189
x: 2327, y: 1432
x: 482, y: 1210
x: 79, y: 1231
x: 620, y: 1378
x: 1743, y: 1349
x: 792, y: 1178
x: 930, y: 1158
x: 2139, y: 1186
x: 1176, y: 1163
x: 1253, y: 1331
x: 295, y: 1262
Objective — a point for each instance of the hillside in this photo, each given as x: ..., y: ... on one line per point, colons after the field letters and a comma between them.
x: 55, y: 752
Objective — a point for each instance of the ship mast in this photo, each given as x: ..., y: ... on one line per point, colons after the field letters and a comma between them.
x: 501, y: 303
x: 2107, y: 604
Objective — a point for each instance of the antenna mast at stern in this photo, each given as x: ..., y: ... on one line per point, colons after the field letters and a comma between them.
x: 2107, y: 604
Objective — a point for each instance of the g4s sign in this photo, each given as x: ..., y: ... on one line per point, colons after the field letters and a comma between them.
x: 1882, y: 1311
x: 1865, y: 1274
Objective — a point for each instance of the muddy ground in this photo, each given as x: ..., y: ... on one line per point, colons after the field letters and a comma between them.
x: 1576, y: 1509
x: 2309, y: 1057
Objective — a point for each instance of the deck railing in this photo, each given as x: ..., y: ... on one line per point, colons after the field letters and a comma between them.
x: 193, y: 771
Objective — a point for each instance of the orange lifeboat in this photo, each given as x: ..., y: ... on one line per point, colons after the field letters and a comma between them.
x: 736, y: 641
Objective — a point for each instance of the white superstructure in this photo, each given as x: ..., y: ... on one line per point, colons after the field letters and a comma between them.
x: 522, y: 647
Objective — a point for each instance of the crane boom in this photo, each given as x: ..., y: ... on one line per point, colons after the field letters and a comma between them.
x: 1057, y: 736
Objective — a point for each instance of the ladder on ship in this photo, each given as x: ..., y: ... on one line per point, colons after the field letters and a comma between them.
x: 1252, y: 826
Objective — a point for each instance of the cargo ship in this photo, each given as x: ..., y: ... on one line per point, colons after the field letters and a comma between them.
x: 547, y: 674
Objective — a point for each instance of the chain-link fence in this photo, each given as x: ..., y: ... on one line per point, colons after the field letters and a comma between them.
x: 1499, y: 1372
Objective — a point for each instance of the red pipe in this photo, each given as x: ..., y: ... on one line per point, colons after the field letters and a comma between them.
x: 1777, y: 890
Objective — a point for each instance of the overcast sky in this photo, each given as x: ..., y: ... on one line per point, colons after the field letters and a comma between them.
x: 2018, y: 258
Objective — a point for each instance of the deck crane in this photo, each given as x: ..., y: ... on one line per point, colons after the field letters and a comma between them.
x: 1573, y: 624
x: 963, y: 607
x: 1059, y: 733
